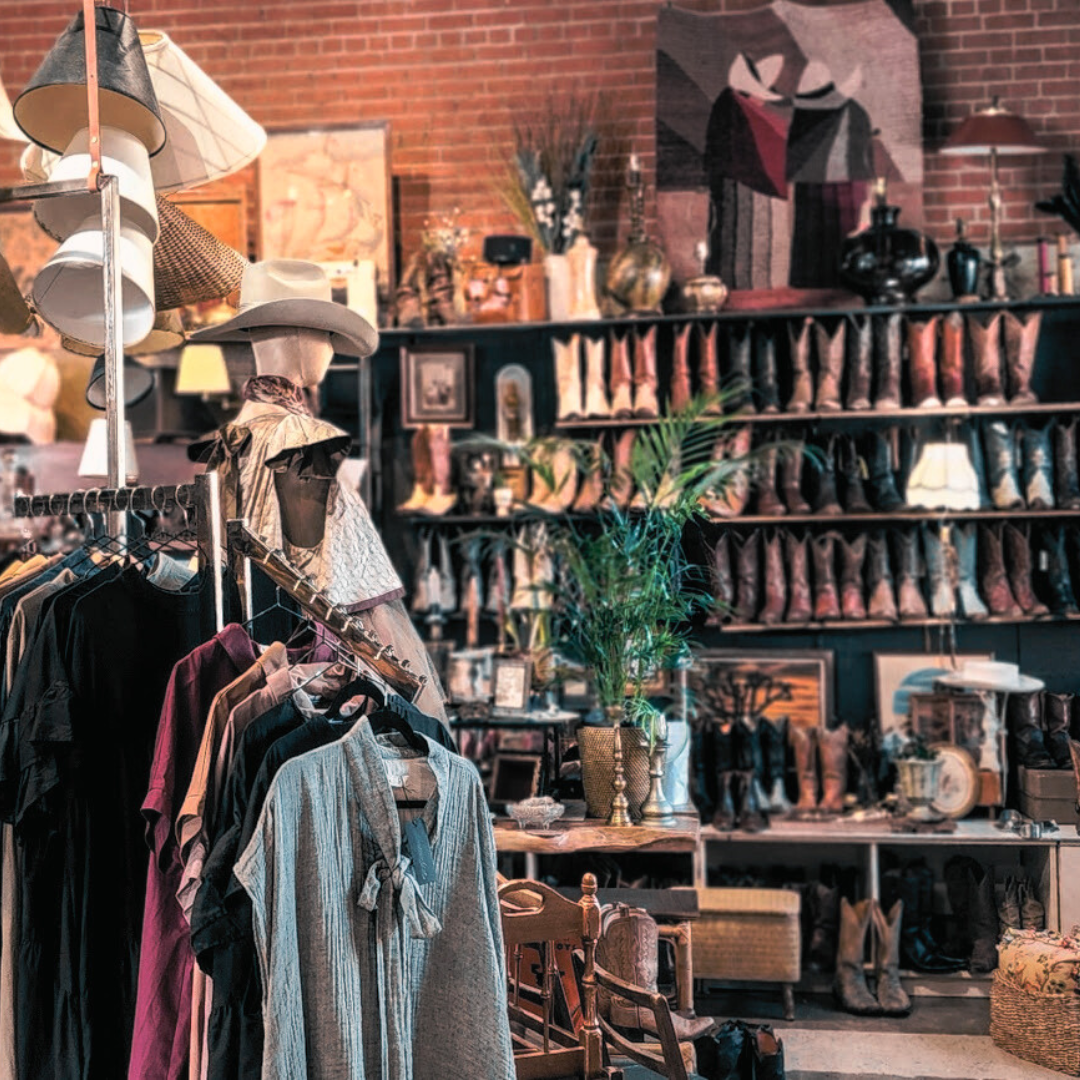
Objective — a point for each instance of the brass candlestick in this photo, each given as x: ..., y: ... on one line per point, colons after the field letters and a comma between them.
x: 620, y: 805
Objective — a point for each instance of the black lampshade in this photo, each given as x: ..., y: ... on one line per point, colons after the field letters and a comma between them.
x: 138, y: 383
x: 52, y: 107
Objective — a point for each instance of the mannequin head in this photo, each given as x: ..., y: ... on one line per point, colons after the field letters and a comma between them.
x: 299, y: 354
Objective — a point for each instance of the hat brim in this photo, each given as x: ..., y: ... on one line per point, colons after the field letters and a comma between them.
x: 1022, y: 684
x: 350, y: 333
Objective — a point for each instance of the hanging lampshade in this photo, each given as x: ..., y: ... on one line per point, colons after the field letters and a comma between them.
x: 8, y: 128
x: 95, y: 455
x: 53, y: 106
x: 138, y: 383
x: 167, y: 333
x: 202, y: 371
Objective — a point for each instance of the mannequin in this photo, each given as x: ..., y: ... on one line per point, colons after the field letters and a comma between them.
x: 297, y: 353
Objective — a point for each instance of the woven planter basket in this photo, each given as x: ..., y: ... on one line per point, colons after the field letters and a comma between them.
x: 597, y: 745
x: 1041, y: 1028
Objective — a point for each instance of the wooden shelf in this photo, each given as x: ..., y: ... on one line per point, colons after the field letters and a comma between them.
x: 593, y: 835
x: 885, y: 624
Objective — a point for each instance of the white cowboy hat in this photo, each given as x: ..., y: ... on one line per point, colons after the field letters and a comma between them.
x: 990, y: 675
x: 293, y: 293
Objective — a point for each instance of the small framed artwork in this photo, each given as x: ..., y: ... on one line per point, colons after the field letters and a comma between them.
x: 511, y: 681
x: 469, y: 675
x: 514, y: 777
x: 437, y: 385
x: 898, y: 675
x: 578, y: 691
x: 955, y: 718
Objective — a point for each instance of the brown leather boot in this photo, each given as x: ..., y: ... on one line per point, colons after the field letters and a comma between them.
x: 909, y: 593
x: 852, y: 557
x: 568, y: 377
x: 800, y: 606
x: 680, y: 394
x: 851, y: 472
x: 922, y: 346
x: 879, y: 580
x: 1021, y: 341
x: 986, y: 346
x: 765, y: 379
x: 768, y: 501
x: 791, y: 481
x: 891, y: 995
x: 996, y: 590
x: 1066, y: 475
x: 887, y: 361
x: 826, y: 501
x: 731, y: 500
x: 1057, y: 715
x: 646, y: 406
x: 775, y: 583
x: 849, y: 986
x: 708, y: 363
x: 723, y: 583
x: 830, y: 350
x: 738, y: 380
x: 591, y: 491
x: 832, y: 748
x: 826, y: 601
x: 747, y: 576
x: 952, y: 360
x: 860, y: 363
x: 1017, y: 546
x: 804, y: 747
x: 423, y: 474
x: 597, y: 405
x: 621, y: 482
x: 622, y: 380
x: 802, y: 382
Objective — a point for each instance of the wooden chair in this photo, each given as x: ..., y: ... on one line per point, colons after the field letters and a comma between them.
x: 538, y: 922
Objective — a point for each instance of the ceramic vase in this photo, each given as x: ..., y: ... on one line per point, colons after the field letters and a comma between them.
x: 582, y: 260
x: 557, y: 273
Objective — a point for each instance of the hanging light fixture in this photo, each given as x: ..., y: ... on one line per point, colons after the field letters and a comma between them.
x: 95, y: 455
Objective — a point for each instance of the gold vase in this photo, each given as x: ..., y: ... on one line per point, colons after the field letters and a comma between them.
x: 639, y: 274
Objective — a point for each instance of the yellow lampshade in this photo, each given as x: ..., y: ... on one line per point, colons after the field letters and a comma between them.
x: 202, y: 371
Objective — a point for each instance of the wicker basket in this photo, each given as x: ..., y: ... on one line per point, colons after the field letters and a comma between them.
x: 1041, y: 1028
x: 597, y: 746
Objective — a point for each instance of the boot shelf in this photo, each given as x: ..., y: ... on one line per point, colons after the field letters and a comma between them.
x: 848, y: 416
x: 884, y: 624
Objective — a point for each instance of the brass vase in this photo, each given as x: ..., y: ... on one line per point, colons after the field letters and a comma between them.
x: 639, y: 275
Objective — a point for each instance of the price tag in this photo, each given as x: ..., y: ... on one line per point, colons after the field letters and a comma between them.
x: 418, y: 848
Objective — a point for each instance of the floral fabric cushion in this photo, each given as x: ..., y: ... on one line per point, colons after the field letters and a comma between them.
x: 1041, y: 961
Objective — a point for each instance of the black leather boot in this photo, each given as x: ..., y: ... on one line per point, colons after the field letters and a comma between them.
x: 726, y: 1054
x: 984, y: 918
x: 882, y: 483
x: 918, y: 948
x: 738, y: 369
x: 722, y: 771
x: 825, y: 498
x: 1057, y: 713
x: 747, y: 576
x: 1058, y: 580
x: 750, y: 767
x: 1003, y: 478
x: 1066, y: 477
x: 767, y: 1054
x: 1025, y: 723
x: 825, y: 922
x: 855, y: 501
x: 765, y: 383
x: 909, y: 597
x: 774, y: 733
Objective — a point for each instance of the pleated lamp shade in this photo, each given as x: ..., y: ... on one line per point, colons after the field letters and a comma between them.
x: 95, y: 455
x: 138, y: 383
x: 202, y: 371
x: 944, y: 478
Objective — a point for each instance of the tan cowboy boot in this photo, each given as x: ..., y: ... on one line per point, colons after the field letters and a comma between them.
x: 1021, y: 340
x: 591, y: 490
x: 621, y: 483
x: 832, y: 746
x: 568, y: 377
x: 423, y: 473
x: 804, y: 745
x: 680, y: 393
x: 622, y: 403
x: 708, y: 364
x: 646, y: 407
x: 802, y: 382
x: 597, y: 405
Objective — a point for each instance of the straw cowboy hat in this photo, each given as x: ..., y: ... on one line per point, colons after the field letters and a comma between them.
x: 293, y: 293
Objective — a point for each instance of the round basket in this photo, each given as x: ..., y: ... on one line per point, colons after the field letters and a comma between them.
x: 1041, y: 1028
x: 597, y: 745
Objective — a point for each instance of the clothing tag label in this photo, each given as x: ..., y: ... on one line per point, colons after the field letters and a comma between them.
x: 419, y: 847
x: 397, y: 773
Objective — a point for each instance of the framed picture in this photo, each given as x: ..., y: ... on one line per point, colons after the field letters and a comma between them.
x: 222, y: 213
x: 514, y: 777
x: 949, y: 717
x: 437, y: 385
x: 578, y: 691
x: 469, y: 674
x: 898, y: 675
x: 325, y: 196
x: 511, y: 682
x: 796, y: 683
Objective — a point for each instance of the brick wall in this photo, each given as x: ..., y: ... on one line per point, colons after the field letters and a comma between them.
x: 451, y: 75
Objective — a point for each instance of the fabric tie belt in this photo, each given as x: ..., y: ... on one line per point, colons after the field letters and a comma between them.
x: 417, y: 915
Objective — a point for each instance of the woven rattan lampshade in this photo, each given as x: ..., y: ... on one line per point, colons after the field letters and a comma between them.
x: 191, y: 264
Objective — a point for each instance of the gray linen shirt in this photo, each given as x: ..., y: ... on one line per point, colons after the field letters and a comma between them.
x: 368, y: 975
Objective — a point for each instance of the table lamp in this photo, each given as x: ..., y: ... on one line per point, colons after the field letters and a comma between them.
x: 994, y: 131
x: 203, y: 371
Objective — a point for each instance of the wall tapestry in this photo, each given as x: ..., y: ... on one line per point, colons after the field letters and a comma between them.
x: 771, y: 125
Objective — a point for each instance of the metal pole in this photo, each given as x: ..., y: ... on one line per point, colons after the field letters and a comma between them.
x: 114, y: 344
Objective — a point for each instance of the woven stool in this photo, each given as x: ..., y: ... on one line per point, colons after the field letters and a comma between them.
x: 749, y: 935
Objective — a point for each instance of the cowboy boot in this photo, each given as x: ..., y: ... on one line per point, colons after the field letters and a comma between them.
x: 969, y: 602
x: 1025, y: 724
x: 768, y: 501
x: 882, y: 481
x: 1066, y: 476
x: 826, y: 601
x: 765, y: 371
x: 832, y: 749
x: 749, y: 763
x: 725, y: 1054
x: 986, y: 345
x: 646, y: 406
x: 860, y: 363
x: 621, y: 482
x: 597, y: 405
x: 423, y: 474
x: 952, y: 360
x: 443, y: 496
x: 775, y: 583
x: 825, y: 498
x: 1021, y: 342
x: 1057, y: 713
x: 555, y: 496
x: 802, y: 382
x: 1058, y: 578
x: 983, y: 917
x: 723, y: 583
x: 942, y: 593
x: 1017, y: 547
x: 852, y: 556
x: 994, y: 580
x: 851, y: 472
x: 879, y: 580
x: 887, y: 360
x: 591, y: 492
x: 730, y: 501
x: 800, y: 606
x: 1003, y: 477
x: 738, y: 383
x: 622, y: 380
x: 830, y: 350
x: 824, y: 910
x: 723, y: 817
x: 918, y: 948
x: 708, y: 363
x: 891, y: 995
x: 804, y: 745
x: 766, y: 1054
x: 850, y: 987
x: 1038, y: 470
x: 748, y: 577
x: 1009, y: 908
x: 680, y: 394
x: 568, y: 378
x: 1032, y: 912
x: 922, y: 348
x: 791, y: 481
x: 775, y: 735
x: 909, y: 595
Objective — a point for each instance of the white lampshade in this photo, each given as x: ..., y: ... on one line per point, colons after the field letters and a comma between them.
x: 95, y: 456
x: 202, y: 371
x: 944, y: 478
x: 8, y: 128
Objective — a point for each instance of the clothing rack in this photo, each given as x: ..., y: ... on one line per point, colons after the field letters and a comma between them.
x: 378, y: 657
